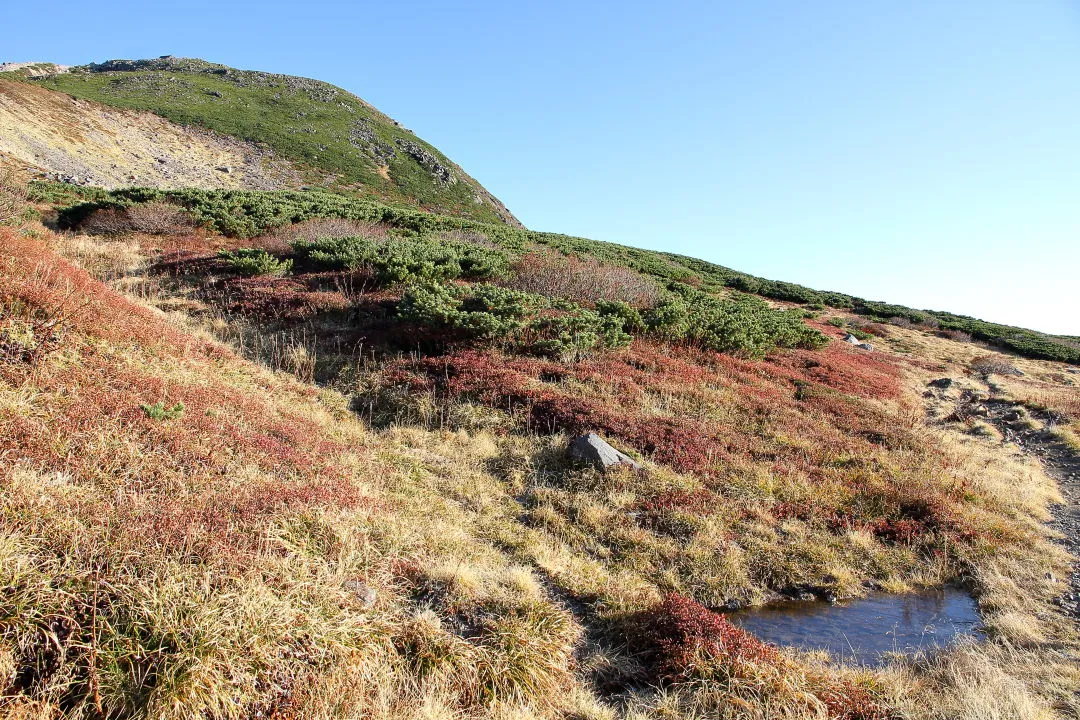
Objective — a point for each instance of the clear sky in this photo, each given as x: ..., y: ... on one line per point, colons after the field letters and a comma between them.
x: 925, y: 152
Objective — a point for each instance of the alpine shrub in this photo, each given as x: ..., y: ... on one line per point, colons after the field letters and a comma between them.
x: 523, y: 320
x: 158, y: 411
x: 251, y: 262
x: 401, y: 260
x: 629, y: 318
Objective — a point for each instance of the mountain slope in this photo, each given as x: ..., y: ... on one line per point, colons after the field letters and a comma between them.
x: 297, y: 454
x: 93, y: 144
x: 346, y: 143
x: 184, y: 534
x: 245, y: 214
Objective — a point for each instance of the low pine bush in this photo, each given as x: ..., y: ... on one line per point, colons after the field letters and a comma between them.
x: 251, y: 262
x: 399, y: 260
x: 516, y: 319
x: 744, y: 324
x: 159, y: 411
x: 860, y: 334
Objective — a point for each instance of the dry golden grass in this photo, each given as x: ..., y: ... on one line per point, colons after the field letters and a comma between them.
x: 499, y: 570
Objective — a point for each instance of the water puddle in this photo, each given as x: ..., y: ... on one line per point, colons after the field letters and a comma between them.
x: 861, y: 631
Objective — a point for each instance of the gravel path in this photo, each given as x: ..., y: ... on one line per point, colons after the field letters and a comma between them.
x: 1062, y: 464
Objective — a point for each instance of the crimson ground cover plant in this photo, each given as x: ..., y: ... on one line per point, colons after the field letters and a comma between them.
x: 118, y: 357
x: 716, y: 417
x: 690, y: 645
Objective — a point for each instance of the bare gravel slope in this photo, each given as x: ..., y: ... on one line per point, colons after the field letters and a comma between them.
x: 88, y: 143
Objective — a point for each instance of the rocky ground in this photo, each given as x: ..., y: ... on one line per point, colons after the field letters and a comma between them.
x: 1061, y: 463
x: 60, y: 138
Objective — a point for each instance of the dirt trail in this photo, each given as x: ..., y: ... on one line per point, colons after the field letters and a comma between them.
x: 92, y: 144
x: 1060, y: 462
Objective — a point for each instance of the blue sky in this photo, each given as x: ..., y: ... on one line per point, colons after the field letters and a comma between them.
x: 923, y: 152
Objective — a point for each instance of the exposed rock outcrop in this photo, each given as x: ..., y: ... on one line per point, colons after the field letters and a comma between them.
x: 592, y: 450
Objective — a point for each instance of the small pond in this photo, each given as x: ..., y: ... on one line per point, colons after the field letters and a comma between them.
x: 860, y: 631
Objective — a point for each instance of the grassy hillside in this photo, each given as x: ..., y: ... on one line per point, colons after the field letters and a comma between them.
x: 348, y: 142
x: 301, y: 455
x: 246, y: 214
x: 186, y: 534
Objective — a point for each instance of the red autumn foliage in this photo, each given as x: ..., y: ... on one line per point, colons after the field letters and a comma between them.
x: 689, y: 642
x: 175, y: 476
x: 841, y: 436
x: 622, y: 384
x: 684, y: 633
x: 276, y: 299
x: 840, y: 367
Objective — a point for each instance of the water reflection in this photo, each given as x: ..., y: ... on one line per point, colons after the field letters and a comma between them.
x: 859, y: 631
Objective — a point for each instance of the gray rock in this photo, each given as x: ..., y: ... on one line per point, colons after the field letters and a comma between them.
x: 591, y: 449
x: 364, y: 592
x: 852, y: 340
x: 943, y: 383
x: 428, y: 161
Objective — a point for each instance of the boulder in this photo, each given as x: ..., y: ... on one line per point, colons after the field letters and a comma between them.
x: 852, y: 340
x: 592, y: 450
x: 943, y: 383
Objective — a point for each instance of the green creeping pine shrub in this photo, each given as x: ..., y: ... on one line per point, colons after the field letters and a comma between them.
x: 629, y: 318
x: 861, y: 334
x: 836, y: 322
x: 668, y: 319
x: 251, y: 262
x: 158, y: 411
x: 244, y: 213
x: 570, y: 336
x: 742, y: 324
x: 524, y: 321
x: 400, y: 260
x: 480, y: 311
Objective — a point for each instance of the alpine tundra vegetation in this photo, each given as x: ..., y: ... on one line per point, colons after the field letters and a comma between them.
x: 302, y: 453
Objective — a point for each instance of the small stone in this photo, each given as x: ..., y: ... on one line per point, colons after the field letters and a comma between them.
x: 364, y: 592
x: 943, y: 383
x: 1049, y: 576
